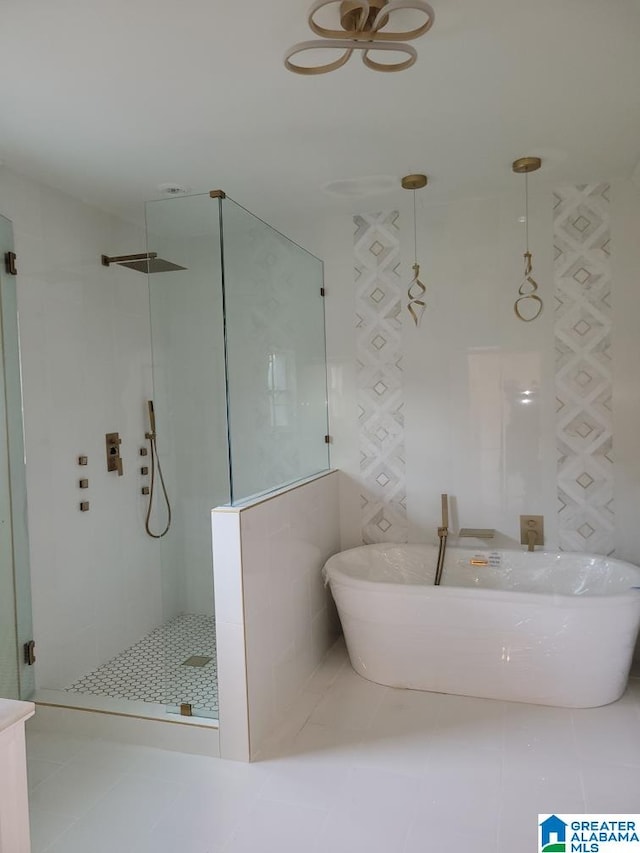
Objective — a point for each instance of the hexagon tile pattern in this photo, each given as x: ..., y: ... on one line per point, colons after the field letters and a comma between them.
x: 153, y: 670
x: 379, y: 377
x: 584, y: 425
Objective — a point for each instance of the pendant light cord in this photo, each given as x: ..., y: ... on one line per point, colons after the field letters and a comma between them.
x: 415, y: 231
x: 416, y: 291
x: 526, y: 209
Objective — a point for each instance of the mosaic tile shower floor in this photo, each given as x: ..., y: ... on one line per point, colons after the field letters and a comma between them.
x: 153, y: 669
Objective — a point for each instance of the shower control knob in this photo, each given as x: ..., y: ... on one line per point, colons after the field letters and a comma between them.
x: 144, y: 470
x: 83, y: 484
x: 145, y: 490
x: 143, y: 451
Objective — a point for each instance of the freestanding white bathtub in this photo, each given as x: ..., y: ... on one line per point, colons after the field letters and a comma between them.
x: 548, y: 628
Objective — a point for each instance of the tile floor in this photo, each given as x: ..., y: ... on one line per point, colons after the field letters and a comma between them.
x: 153, y: 669
x: 356, y: 768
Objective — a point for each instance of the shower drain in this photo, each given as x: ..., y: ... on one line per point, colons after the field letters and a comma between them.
x: 196, y: 660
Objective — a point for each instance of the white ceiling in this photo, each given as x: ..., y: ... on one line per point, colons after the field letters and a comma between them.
x: 106, y: 100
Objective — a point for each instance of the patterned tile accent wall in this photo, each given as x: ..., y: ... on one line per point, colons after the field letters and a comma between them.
x: 583, y: 368
x: 379, y: 377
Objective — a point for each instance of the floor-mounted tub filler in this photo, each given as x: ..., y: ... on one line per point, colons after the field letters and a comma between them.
x: 548, y: 628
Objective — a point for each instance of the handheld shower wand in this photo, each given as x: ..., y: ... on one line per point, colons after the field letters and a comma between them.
x: 155, y: 461
x: 152, y: 420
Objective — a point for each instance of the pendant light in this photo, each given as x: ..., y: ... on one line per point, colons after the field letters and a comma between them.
x: 416, y: 291
x: 529, y: 305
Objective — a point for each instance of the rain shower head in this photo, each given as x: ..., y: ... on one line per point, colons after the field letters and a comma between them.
x: 147, y: 262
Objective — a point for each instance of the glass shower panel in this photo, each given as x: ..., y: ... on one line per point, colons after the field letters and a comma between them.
x: 191, y: 426
x: 16, y: 677
x: 276, y: 360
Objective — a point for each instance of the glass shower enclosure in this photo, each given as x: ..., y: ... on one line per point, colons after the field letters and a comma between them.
x: 239, y: 375
x: 239, y: 394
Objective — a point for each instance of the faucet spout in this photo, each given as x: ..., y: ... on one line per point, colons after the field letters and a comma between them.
x: 531, y: 540
x: 443, y: 532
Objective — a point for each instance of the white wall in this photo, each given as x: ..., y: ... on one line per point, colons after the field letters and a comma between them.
x: 464, y: 370
x: 86, y: 365
x: 626, y: 358
x: 275, y: 620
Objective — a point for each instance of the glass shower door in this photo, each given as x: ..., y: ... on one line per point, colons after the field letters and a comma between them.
x: 16, y: 675
x: 189, y: 396
x: 239, y: 376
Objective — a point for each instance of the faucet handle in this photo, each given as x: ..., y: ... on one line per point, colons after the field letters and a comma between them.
x: 531, y: 530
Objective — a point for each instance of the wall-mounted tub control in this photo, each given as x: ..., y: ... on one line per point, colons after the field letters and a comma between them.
x: 84, y: 506
x: 145, y: 490
x: 143, y: 451
x: 83, y: 460
x: 114, y: 460
x: 144, y: 470
x: 83, y: 484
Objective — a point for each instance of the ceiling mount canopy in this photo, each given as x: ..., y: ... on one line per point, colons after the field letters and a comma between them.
x: 362, y: 26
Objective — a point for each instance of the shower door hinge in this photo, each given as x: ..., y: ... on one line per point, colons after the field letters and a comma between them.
x: 30, y: 653
x: 328, y: 439
x: 10, y: 263
x: 186, y: 710
x: 322, y: 291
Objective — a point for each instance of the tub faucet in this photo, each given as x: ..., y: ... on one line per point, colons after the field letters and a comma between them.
x: 531, y: 540
x: 443, y: 532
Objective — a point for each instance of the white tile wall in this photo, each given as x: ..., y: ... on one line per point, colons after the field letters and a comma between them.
x: 86, y: 365
x: 282, y: 618
x: 467, y: 431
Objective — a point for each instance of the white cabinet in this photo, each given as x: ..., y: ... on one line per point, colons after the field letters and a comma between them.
x: 14, y: 803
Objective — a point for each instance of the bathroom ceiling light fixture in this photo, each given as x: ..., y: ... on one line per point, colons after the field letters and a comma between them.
x: 528, y: 306
x: 416, y: 304
x: 362, y: 25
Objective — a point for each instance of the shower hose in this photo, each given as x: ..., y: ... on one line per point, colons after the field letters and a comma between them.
x: 155, y: 461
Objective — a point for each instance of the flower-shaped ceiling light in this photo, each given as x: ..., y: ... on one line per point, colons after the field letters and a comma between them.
x: 363, y: 25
